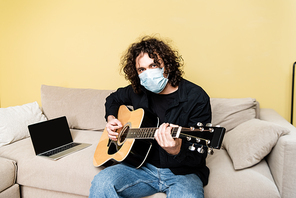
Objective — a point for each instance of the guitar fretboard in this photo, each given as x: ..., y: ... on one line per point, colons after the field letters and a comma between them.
x: 146, y: 133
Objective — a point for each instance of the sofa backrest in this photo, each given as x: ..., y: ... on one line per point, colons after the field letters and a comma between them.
x: 84, y: 108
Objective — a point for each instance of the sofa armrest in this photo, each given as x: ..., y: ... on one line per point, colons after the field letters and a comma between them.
x: 8, y: 171
x: 282, y: 158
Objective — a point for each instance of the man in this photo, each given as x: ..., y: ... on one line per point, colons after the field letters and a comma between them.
x: 154, y: 71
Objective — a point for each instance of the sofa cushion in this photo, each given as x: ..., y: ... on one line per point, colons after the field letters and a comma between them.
x: 84, y: 108
x: 31, y: 192
x: 225, y: 182
x: 248, y: 143
x: 11, y: 192
x: 14, y: 121
x: 8, y: 172
x: 71, y: 174
x: 230, y: 112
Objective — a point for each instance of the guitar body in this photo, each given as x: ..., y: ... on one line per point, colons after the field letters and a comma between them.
x: 131, y: 151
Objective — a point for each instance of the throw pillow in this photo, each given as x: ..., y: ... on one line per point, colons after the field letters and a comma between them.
x: 84, y: 108
x: 14, y: 122
x: 230, y: 112
x: 248, y: 143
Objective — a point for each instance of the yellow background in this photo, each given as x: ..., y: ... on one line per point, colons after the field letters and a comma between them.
x: 231, y: 48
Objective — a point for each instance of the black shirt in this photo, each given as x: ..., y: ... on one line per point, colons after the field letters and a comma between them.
x: 159, y: 105
x: 191, y: 105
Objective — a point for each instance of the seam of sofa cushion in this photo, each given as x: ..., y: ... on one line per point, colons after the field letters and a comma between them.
x: 15, y: 171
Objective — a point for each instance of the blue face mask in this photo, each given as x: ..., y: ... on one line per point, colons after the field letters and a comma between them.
x: 153, y: 80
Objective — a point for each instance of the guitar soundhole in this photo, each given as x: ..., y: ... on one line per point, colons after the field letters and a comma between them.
x: 122, y: 135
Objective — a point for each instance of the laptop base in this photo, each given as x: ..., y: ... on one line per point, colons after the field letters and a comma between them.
x: 66, y: 152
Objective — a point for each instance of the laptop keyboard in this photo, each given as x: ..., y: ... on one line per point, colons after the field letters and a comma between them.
x: 58, y: 150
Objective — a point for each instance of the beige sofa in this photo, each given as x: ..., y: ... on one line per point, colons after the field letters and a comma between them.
x: 257, y: 158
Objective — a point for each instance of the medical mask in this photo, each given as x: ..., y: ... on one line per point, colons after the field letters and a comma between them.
x: 153, y: 80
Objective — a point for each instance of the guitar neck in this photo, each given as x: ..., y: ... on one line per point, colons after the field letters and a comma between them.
x: 148, y: 133
x: 209, y: 136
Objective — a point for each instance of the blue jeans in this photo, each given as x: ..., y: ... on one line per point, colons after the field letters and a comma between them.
x: 122, y: 180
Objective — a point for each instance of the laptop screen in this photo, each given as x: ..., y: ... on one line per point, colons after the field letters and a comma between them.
x: 50, y: 134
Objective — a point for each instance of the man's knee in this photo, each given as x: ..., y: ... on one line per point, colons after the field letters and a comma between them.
x: 104, y: 177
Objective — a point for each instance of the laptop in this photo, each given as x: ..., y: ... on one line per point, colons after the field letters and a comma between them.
x: 53, y: 139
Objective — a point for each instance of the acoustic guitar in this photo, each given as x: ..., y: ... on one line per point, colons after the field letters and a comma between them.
x: 138, y: 127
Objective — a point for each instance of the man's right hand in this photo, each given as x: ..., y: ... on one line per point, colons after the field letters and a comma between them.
x: 112, y: 126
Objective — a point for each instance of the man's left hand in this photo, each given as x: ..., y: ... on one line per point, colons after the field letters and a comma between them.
x: 166, y: 141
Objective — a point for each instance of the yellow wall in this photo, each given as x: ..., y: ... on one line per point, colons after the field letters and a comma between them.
x: 231, y: 48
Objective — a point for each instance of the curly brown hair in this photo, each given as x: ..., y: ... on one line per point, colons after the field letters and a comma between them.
x: 156, y: 49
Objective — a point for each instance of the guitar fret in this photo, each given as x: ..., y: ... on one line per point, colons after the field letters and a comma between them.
x: 151, y: 133
x: 140, y: 134
x: 145, y: 133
